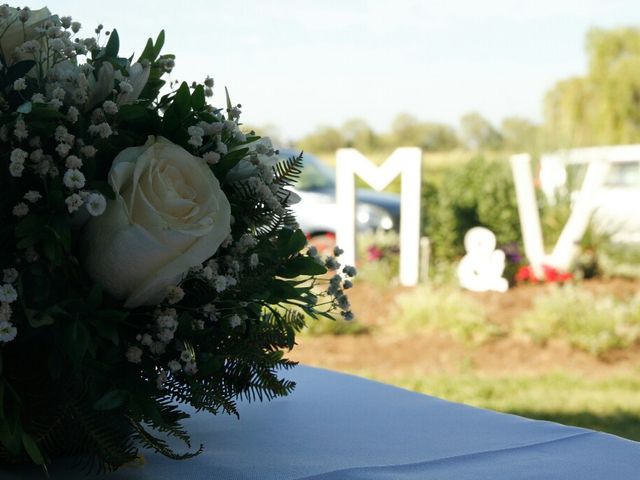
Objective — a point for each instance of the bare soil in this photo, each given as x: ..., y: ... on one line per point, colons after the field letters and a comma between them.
x: 388, y: 353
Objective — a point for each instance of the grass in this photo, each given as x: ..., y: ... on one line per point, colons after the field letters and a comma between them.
x: 595, y: 324
x: 610, y: 404
x: 444, y: 309
x: 324, y: 326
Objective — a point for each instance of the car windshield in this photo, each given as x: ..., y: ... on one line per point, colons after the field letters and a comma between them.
x: 316, y: 175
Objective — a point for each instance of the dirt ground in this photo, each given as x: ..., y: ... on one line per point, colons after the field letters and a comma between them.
x: 388, y: 353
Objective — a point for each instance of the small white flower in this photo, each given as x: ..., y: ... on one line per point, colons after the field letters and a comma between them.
x: 32, y: 196
x: 8, y: 294
x: 348, y: 315
x: 221, y: 148
x: 195, y: 141
x: 89, y: 151
x: 37, y: 98
x: 63, y: 149
x: 174, y: 294
x: 331, y: 263
x: 73, y: 179
x: 211, y: 157
x: 208, y: 92
x: 174, y: 366
x: 350, y: 271
x: 220, y: 283
x: 125, y: 86
x: 73, y: 114
x: 9, y: 275
x: 55, y: 103
x: 7, y: 332
x: 146, y: 340
x: 337, y: 251
x: 186, y: 356
x: 18, y: 155
x: 195, y: 131
x: 74, y: 202
x: 75, y: 27
x: 96, y: 204
x: 16, y: 169
x: 312, y: 251
x: 102, y: 129
x: 73, y: 161
x: 208, y: 82
x: 235, y: 320
x: 110, y: 107
x: 65, y: 22
x: 254, y: 260
x: 134, y: 354
x: 20, y: 84
x: 21, y: 209
x: 58, y: 93
x: 347, y: 284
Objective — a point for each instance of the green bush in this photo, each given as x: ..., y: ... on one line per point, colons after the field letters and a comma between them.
x: 595, y: 324
x: 444, y: 309
x: 477, y: 193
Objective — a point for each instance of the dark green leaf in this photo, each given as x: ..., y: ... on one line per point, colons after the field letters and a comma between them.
x: 113, y: 45
x: 111, y: 400
x: 301, y: 266
x: 32, y: 449
x: 16, y: 71
x: 198, y: 100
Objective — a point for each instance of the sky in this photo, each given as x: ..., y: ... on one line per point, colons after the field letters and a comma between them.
x: 298, y: 64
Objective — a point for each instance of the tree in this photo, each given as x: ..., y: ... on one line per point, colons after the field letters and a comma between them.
x: 604, y: 106
x: 406, y: 130
x: 322, y: 140
x: 358, y: 134
x: 478, y: 133
x: 520, y: 134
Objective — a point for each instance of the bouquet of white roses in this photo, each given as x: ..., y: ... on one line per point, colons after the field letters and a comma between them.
x: 148, y: 255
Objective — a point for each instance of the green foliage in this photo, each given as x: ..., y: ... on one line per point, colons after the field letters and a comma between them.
x: 478, y: 133
x: 601, y: 108
x: 446, y: 310
x: 477, y: 193
x: 595, y: 324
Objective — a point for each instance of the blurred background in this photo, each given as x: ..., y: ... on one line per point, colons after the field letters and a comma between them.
x: 470, y: 83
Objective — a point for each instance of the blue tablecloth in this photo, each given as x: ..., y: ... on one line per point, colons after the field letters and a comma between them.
x: 337, y: 426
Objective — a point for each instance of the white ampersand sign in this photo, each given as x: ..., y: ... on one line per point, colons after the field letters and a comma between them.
x: 480, y: 270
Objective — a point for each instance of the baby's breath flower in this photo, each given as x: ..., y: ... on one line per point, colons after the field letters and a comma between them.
x: 347, y: 284
x: 102, y: 129
x: 211, y: 157
x: 312, y: 251
x: 75, y: 27
x: 65, y: 22
x: 73, y: 179
x: 74, y: 202
x: 208, y: 82
x: 7, y: 332
x: 350, y: 271
x: 32, y: 196
x: 220, y: 283
x: 134, y: 354
x: 20, y: 84
x: 55, y: 103
x: 174, y: 294
x: 58, y: 93
x: 208, y: 92
x: 174, y: 366
x: 89, y: 151
x: 125, y: 86
x: 348, y: 315
x: 337, y: 251
x: 37, y: 98
x: 73, y: 161
x: 73, y: 114
x: 16, y: 169
x: 254, y: 260
x: 21, y: 209
x: 8, y: 294
x: 63, y: 149
x: 96, y: 204
x: 235, y: 320
x: 9, y: 275
x: 331, y: 263
x: 110, y: 107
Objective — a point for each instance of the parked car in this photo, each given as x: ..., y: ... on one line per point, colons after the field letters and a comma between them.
x: 317, y: 211
x: 616, y: 210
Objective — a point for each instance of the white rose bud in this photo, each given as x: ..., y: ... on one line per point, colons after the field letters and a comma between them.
x: 169, y: 215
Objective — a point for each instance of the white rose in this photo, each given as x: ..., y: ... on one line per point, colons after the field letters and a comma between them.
x: 14, y: 36
x: 169, y: 215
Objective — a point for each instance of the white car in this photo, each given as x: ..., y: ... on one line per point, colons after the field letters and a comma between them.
x: 617, y: 202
